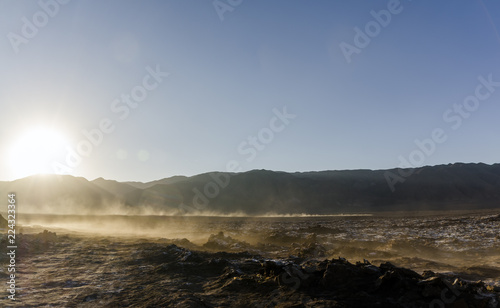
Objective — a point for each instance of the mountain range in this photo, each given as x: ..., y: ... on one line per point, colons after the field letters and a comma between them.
x: 259, y: 192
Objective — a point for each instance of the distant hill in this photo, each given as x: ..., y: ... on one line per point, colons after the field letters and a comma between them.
x: 170, y: 180
x: 258, y: 192
x: 58, y: 194
x: 116, y: 188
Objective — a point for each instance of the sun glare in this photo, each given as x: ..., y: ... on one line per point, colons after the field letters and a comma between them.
x: 34, y: 151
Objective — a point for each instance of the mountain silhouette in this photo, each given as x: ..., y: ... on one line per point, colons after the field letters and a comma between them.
x: 258, y: 192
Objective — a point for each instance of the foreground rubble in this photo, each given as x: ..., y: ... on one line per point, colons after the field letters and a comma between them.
x: 84, y: 271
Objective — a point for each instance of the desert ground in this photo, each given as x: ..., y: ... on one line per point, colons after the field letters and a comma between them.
x: 426, y: 260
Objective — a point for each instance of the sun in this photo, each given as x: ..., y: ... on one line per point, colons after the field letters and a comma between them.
x: 35, y: 151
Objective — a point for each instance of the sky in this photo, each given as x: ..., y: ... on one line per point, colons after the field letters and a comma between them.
x: 144, y: 90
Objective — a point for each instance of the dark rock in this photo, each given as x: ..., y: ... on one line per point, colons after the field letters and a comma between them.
x: 220, y: 241
x: 432, y: 287
x: 46, y: 236
x: 271, y: 268
x: 337, y: 274
x: 163, y: 275
x: 428, y: 274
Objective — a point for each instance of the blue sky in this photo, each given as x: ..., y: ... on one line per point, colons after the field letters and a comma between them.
x: 227, y: 72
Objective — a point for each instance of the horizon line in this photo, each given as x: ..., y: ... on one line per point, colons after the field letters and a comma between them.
x: 241, y: 172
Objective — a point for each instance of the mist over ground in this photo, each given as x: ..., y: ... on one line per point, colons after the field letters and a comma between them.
x: 450, y: 242
x: 305, y: 260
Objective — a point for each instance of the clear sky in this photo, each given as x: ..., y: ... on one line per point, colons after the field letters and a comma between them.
x: 143, y: 90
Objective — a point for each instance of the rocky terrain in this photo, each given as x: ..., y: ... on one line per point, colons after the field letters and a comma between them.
x: 72, y: 269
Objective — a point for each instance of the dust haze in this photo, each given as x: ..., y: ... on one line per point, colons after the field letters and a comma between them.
x: 451, y: 242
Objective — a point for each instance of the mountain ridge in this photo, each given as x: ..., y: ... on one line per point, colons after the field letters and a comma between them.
x: 258, y: 192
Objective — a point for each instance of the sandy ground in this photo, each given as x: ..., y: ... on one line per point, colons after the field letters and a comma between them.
x: 283, y: 265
